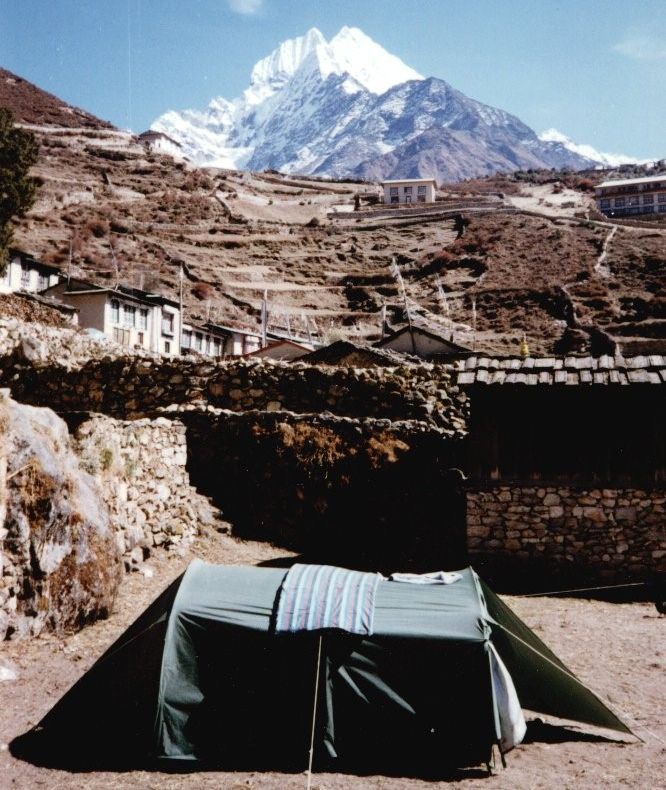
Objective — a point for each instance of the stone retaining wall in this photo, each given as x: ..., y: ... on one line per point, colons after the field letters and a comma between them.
x: 141, y: 468
x: 594, y: 533
x: 135, y: 386
x: 368, y: 492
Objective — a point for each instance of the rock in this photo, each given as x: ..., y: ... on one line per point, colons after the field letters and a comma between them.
x: 60, y: 546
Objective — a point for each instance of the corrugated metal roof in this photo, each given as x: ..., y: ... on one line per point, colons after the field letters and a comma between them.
x: 570, y: 370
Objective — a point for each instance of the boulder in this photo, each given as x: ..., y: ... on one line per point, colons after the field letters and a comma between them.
x: 59, y: 559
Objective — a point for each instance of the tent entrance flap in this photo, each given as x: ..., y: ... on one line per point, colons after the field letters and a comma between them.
x: 544, y: 684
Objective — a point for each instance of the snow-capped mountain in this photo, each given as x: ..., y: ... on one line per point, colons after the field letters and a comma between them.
x: 609, y: 160
x: 347, y: 107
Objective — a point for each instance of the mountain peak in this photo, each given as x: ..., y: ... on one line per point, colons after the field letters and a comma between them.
x: 347, y: 107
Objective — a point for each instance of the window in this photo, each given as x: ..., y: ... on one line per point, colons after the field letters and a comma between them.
x: 662, y: 208
x: 143, y: 318
x: 393, y: 191
x: 407, y: 190
x: 140, y: 338
x: 167, y: 347
x: 421, y: 198
x: 633, y: 200
x: 421, y: 190
x: 394, y: 199
x: 604, y: 203
x: 187, y: 338
x: 408, y: 198
x: 661, y: 198
x: 198, y: 341
x: 121, y: 336
x: 129, y: 315
x: 25, y: 276
x: 216, y: 347
x: 115, y: 311
x: 167, y: 323
x: 619, y: 202
x: 42, y: 282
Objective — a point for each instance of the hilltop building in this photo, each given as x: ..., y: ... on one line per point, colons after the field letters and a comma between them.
x: 409, y: 190
x: 160, y: 143
x: 24, y: 273
x: 630, y: 196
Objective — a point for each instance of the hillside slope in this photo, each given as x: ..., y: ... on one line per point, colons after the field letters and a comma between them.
x: 110, y: 211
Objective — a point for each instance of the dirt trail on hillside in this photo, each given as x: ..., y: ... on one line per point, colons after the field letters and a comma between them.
x: 618, y: 649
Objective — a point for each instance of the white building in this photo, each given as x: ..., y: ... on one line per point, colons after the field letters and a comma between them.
x: 24, y: 273
x: 423, y: 340
x: 128, y: 316
x: 630, y: 196
x: 161, y: 143
x: 409, y: 190
x: 237, y: 342
x: 203, y: 340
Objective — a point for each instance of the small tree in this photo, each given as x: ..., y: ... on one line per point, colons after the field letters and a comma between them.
x: 18, y: 153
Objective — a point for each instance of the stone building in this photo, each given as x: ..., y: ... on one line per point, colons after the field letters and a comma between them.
x: 566, y: 459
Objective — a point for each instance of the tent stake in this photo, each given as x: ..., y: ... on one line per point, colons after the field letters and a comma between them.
x: 314, y: 716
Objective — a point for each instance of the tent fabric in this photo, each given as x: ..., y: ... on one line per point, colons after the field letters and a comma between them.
x: 202, y: 677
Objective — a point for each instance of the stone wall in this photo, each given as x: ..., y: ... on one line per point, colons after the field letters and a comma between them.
x: 135, y: 386
x: 141, y: 468
x: 375, y: 492
x: 582, y: 534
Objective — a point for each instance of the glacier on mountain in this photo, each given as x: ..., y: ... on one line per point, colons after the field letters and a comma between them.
x: 347, y: 107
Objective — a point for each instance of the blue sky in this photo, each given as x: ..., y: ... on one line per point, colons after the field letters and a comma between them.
x: 594, y: 69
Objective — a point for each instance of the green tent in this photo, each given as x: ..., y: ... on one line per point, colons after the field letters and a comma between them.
x: 202, y: 678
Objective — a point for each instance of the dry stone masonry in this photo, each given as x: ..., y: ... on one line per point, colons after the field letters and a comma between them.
x: 602, y: 533
x: 141, y: 468
x: 135, y: 386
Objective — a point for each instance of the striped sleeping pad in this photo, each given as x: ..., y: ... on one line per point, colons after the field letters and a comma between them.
x: 313, y: 597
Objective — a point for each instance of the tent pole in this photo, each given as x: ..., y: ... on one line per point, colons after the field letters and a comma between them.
x: 314, y: 716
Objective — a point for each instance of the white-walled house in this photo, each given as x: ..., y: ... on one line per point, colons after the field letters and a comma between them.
x: 237, y: 342
x: 203, y: 340
x: 24, y: 273
x: 409, y: 190
x: 629, y: 196
x: 161, y: 143
x: 128, y: 316
x: 423, y: 340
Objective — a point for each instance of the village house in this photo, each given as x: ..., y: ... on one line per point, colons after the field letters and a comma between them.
x: 204, y: 340
x: 630, y: 196
x: 24, y: 273
x: 283, y: 350
x: 236, y: 342
x: 423, y: 339
x: 128, y: 316
x: 160, y: 143
x: 566, y: 459
x: 409, y: 190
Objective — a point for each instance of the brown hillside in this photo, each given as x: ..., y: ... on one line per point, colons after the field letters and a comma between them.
x: 528, y: 260
x: 32, y: 105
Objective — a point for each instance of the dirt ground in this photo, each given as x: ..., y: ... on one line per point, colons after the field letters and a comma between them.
x: 618, y: 649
